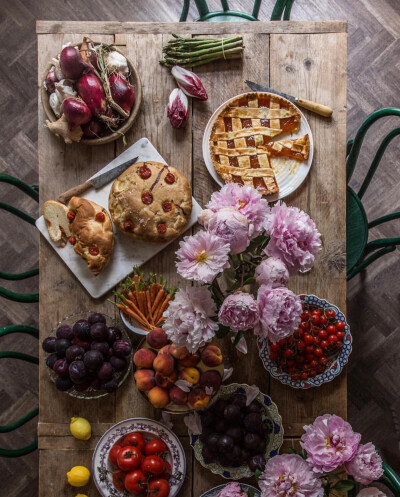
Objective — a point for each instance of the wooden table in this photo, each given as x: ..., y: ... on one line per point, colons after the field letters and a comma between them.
x: 302, y: 58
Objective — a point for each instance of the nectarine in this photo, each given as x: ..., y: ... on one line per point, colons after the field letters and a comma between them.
x: 145, y: 379
x: 158, y: 397
x: 144, y: 358
x: 211, y: 355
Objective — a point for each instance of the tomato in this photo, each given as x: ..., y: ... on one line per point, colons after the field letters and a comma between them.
x: 304, y: 376
x: 316, y: 341
x: 282, y: 342
x: 338, y: 345
x: 144, y: 172
x: 295, y: 376
x: 306, y: 366
x: 100, y: 217
x: 135, y: 482
x: 161, y: 228
x: 129, y: 458
x: 300, y: 345
x: 340, y: 335
x: 315, y: 318
x: 168, y: 471
x: 170, y: 178
x: 318, y: 352
x: 274, y: 347
x: 312, y: 373
x: 323, y: 360
x: 119, y: 480
x: 340, y: 325
x: 152, y: 465
x: 309, y: 357
x: 313, y: 363
x: 289, y: 353
x: 159, y: 487
x: 309, y: 349
x: 300, y: 359
x: 128, y: 226
x: 114, y: 451
x: 290, y: 363
x: 147, y: 198
x: 330, y: 313
x: 155, y: 446
x: 134, y: 439
x: 333, y: 338
x: 305, y: 325
x: 305, y: 316
x: 323, y: 320
x: 331, y: 328
x: 308, y: 339
x: 324, y: 344
x: 273, y: 356
x: 290, y: 340
x: 322, y: 334
x: 320, y: 369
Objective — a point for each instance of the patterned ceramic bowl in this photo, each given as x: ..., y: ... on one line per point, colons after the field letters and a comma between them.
x: 334, y: 365
x: 101, y: 467
x: 247, y: 489
x: 274, y: 440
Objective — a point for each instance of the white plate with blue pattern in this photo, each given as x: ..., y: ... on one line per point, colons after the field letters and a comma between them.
x: 247, y: 489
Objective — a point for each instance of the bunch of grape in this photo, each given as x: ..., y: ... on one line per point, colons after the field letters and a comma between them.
x: 88, y: 355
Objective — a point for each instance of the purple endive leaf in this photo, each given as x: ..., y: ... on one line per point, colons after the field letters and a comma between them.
x: 189, y: 83
x: 178, y: 108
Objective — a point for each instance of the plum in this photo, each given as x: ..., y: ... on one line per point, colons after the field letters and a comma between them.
x: 118, y: 363
x: 65, y: 331
x: 61, y: 346
x: 113, y: 334
x: 257, y: 462
x: 122, y: 348
x: 77, y: 371
x: 211, y: 441
x: 226, y: 459
x: 225, y: 444
x: 219, y: 426
x: 219, y: 407
x: 105, y: 371
x: 96, y: 384
x: 240, y: 401
x: 207, y: 419
x: 252, y: 442
x: 63, y: 383
x: 61, y: 367
x: 93, y: 360
x: 49, y: 344
x: 253, y: 407
x: 237, y: 456
x: 232, y: 413
x: 102, y: 347
x: 253, y: 422
x: 96, y: 317
x: 208, y: 455
x: 51, y: 360
x: 245, y: 456
x: 236, y: 432
x: 81, y: 329
x: 99, y: 332
x: 74, y: 353
x: 110, y: 386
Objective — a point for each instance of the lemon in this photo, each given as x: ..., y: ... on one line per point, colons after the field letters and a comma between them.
x: 80, y: 428
x: 81, y: 495
x: 78, y: 476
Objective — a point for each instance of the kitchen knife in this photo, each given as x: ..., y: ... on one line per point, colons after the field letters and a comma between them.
x: 96, y: 182
x: 320, y: 109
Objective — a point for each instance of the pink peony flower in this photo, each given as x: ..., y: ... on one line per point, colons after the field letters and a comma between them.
x: 279, y: 310
x: 247, y: 200
x: 202, y: 256
x: 239, y: 312
x: 272, y: 272
x: 366, y: 466
x: 232, y: 227
x: 371, y: 492
x: 188, y: 318
x: 329, y: 442
x: 289, y: 475
x: 294, y: 237
x: 232, y: 490
x: 204, y: 217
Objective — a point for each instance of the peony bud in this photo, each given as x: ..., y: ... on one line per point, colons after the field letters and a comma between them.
x: 189, y: 83
x: 178, y: 112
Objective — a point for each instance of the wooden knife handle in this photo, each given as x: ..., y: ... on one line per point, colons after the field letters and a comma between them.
x: 76, y: 191
x: 320, y: 109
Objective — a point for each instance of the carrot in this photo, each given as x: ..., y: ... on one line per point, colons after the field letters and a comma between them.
x: 157, y: 300
x: 134, y: 312
x: 162, y: 308
x: 150, y: 314
x: 141, y: 299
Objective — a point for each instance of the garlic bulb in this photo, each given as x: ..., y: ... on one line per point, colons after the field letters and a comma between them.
x: 55, y: 104
x: 57, y: 69
x: 116, y: 62
x: 64, y: 89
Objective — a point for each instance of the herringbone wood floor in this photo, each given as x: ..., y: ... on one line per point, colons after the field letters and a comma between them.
x: 373, y: 297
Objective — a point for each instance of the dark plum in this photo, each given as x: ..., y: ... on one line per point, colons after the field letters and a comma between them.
x: 77, y: 371
x: 96, y: 317
x: 257, y: 462
x: 122, y: 348
x: 245, y: 456
x: 110, y: 386
x: 96, y: 384
x: 226, y: 459
x: 212, y: 441
x: 51, y: 360
x: 105, y: 372
x: 74, y: 353
x: 63, y: 383
x: 237, y: 456
x: 93, y: 359
x: 219, y: 407
x: 252, y: 442
x: 49, y: 344
x: 102, y: 347
x: 65, y: 331
x: 110, y: 352
x: 219, y: 426
x: 208, y: 455
x: 240, y: 400
x: 61, y: 367
x: 233, y: 414
x: 207, y: 419
x: 99, y: 332
x: 114, y: 334
x: 118, y: 363
x: 61, y: 346
x: 236, y: 432
x: 85, y: 344
x: 253, y: 407
x: 81, y: 329
x: 225, y: 444
x: 81, y: 387
x: 253, y: 422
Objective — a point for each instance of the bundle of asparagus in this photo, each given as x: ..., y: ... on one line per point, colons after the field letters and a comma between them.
x: 192, y: 52
x: 145, y: 300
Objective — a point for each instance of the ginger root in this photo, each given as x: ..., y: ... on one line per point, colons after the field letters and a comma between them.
x: 60, y: 128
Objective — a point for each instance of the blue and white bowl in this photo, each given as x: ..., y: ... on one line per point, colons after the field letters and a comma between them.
x: 213, y: 492
x: 334, y: 365
x: 101, y: 467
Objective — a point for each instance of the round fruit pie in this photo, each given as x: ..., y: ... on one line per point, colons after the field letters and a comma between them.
x: 151, y: 202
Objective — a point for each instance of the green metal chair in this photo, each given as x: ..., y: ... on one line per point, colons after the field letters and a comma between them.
x: 282, y: 8
x: 32, y: 191
x: 360, y: 252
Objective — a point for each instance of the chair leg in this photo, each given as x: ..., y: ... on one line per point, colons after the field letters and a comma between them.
x: 185, y: 10
x: 256, y: 8
x: 25, y: 298
x: 369, y: 260
x: 288, y: 8
x: 278, y: 10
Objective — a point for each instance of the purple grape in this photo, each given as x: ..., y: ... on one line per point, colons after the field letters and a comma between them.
x: 61, y: 346
x: 64, y: 383
x: 257, y: 462
x: 65, y: 331
x: 49, y: 344
x: 96, y: 317
x: 74, y: 353
x: 225, y: 444
x: 51, y: 360
x: 61, y: 367
x: 122, y: 348
x: 110, y: 386
x: 118, y: 363
x: 105, y: 372
x: 99, y: 332
x: 102, y: 347
x: 77, y: 371
x: 81, y: 329
x: 114, y: 334
x: 93, y: 359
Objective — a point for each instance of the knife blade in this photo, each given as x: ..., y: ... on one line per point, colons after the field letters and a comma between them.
x: 98, y: 181
x: 320, y: 109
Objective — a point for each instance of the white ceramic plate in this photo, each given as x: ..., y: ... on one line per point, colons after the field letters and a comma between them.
x: 213, y: 492
x: 127, y: 252
x: 150, y: 429
x: 289, y: 173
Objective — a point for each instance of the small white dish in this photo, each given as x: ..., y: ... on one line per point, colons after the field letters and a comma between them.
x: 132, y: 326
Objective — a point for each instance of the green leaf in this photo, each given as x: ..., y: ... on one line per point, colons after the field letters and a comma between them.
x: 257, y: 474
x: 303, y: 454
x: 343, y: 485
x: 222, y: 331
x: 251, y: 492
x: 249, y: 281
x: 238, y: 336
x: 292, y: 451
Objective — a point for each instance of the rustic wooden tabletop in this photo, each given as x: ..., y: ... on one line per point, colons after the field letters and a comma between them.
x: 302, y: 58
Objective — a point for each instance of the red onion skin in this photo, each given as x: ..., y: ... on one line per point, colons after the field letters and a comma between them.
x: 93, y: 129
x: 71, y: 63
x: 122, y: 92
x: 76, y: 112
x: 92, y: 92
x: 50, y: 81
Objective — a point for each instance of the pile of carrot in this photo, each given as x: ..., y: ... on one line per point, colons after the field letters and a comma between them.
x: 145, y: 299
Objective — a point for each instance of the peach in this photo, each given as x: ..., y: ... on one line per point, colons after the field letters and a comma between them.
x: 144, y: 358
x: 210, y: 379
x: 164, y: 364
x: 211, y: 356
x: 165, y: 350
x: 157, y: 338
x: 145, y: 379
x: 190, y: 360
x: 178, y: 352
x: 158, y: 397
x: 166, y: 381
x: 178, y: 396
x: 198, y: 399
x: 192, y: 375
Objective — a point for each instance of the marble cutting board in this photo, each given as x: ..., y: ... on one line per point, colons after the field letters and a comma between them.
x: 127, y: 252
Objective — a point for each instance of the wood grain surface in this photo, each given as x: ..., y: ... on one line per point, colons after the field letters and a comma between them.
x: 308, y: 57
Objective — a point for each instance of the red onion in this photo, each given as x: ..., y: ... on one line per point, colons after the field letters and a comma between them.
x: 122, y: 92
x: 76, y: 112
x: 71, y: 63
x: 93, y: 129
x: 91, y: 90
x: 50, y: 80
